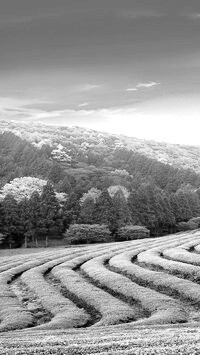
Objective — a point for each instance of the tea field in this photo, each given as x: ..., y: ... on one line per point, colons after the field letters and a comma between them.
x: 133, y: 297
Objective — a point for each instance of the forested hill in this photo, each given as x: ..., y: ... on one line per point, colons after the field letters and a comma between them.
x: 86, y: 140
x: 82, y: 159
x: 105, y: 179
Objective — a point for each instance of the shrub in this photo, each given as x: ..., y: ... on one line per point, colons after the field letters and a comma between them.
x: 195, y: 220
x: 87, y: 233
x: 133, y: 232
x: 184, y: 226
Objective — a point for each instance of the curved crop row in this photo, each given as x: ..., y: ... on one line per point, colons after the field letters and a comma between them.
x: 83, y: 284
x: 12, y: 314
x: 182, y: 253
x: 162, y: 308
x: 184, y: 256
x: 12, y: 265
x: 153, y: 257
x: 156, y: 279
x: 112, y: 310
x: 65, y: 313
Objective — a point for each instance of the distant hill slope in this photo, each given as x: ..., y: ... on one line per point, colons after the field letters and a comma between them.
x: 161, y: 181
x: 68, y: 142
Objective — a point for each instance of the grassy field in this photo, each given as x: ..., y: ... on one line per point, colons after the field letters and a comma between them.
x: 136, y: 297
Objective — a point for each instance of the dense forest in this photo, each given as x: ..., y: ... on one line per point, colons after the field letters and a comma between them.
x: 100, y: 182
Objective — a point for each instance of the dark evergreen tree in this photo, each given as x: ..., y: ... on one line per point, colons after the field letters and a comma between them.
x: 193, y: 200
x: 50, y: 211
x: 185, y: 212
x: 175, y: 207
x: 11, y: 226
x: 71, y: 210
x: 25, y: 220
x: 87, y: 211
x: 159, y: 214
x: 169, y: 218
x: 56, y: 173
x: 146, y: 212
x: 133, y: 205
x: 104, y: 211
x: 35, y: 217
x: 121, y: 211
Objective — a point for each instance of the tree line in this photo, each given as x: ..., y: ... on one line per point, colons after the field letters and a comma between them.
x: 30, y: 221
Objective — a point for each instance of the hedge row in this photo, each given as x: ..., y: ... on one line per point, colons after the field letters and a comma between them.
x: 112, y: 310
x: 184, y: 256
x: 65, y: 313
x: 162, y: 308
x: 12, y: 313
x: 153, y: 257
x: 159, y: 280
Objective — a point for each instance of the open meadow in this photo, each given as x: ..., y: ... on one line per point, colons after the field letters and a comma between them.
x: 132, y: 297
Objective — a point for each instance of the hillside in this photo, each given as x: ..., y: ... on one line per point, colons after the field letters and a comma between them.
x: 84, y: 140
x: 98, y: 179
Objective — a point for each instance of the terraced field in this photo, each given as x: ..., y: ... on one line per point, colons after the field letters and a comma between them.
x: 134, y: 297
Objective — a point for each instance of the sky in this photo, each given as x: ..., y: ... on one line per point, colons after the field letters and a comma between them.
x: 121, y: 66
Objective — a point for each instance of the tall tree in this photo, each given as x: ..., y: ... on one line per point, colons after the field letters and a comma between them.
x: 87, y: 211
x: 71, y: 209
x: 104, y: 211
x: 175, y: 207
x: 133, y: 205
x: 25, y: 220
x: 121, y: 211
x: 11, y: 227
x: 51, y: 221
x: 185, y: 212
x: 35, y: 217
x: 169, y: 218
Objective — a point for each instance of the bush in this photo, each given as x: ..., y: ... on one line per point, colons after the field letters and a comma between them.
x: 195, y: 220
x: 185, y: 226
x: 87, y: 233
x: 133, y: 232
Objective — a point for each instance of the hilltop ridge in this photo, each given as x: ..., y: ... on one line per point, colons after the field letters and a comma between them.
x: 65, y: 139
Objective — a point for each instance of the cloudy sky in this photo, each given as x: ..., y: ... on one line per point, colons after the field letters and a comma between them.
x: 122, y: 66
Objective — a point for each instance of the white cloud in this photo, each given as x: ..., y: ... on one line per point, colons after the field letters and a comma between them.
x: 11, y: 107
x: 84, y: 104
x: 88, y: 87
x: 7, y: 103
x: 143, y: 85
x: 147, y: 85
x: 131, y: 89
